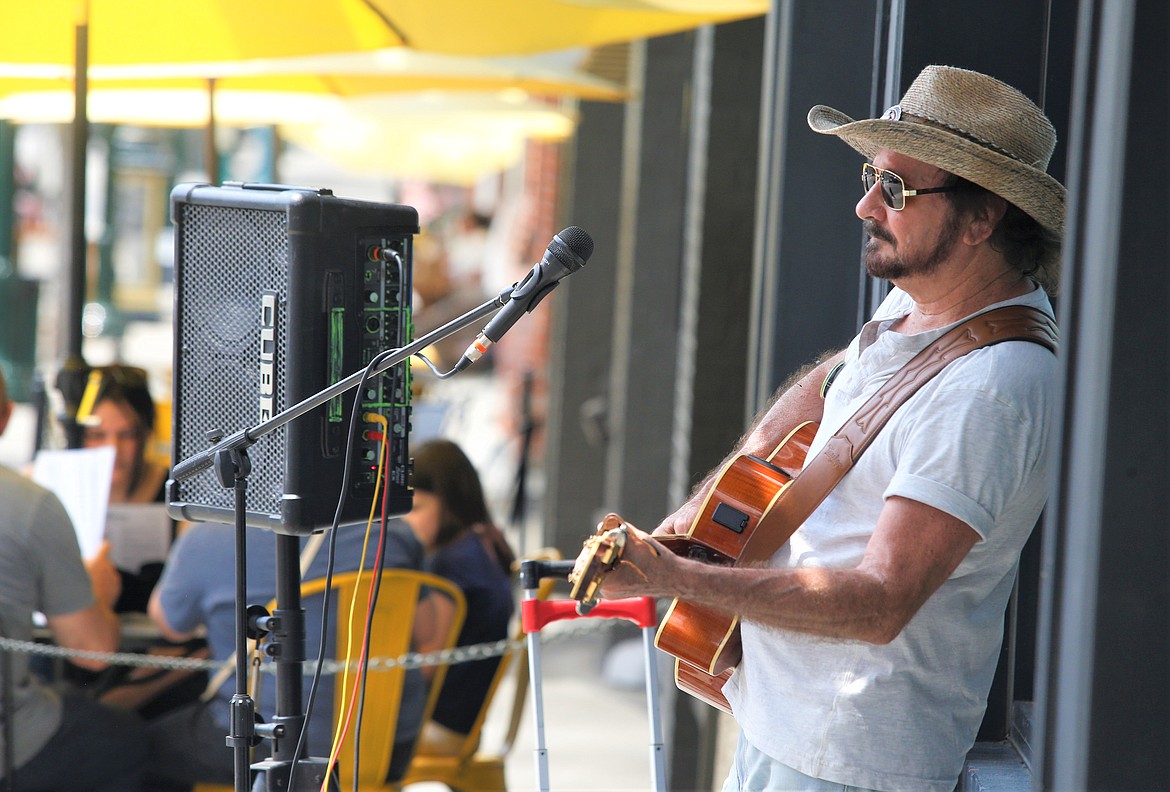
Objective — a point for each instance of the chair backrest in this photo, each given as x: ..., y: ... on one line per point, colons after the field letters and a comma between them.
x: 393, y: 624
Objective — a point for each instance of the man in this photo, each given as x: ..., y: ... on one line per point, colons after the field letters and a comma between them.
x: 63, y: 741
x: 870, y: 639
x: 197, y: 590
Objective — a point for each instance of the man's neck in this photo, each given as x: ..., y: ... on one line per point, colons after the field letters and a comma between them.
x: 959, y: 289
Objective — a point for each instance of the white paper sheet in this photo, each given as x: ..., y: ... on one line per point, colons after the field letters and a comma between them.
x: 139, y: 533
x: 81, y: 480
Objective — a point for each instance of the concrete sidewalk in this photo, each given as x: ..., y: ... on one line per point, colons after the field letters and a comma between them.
x: 597, y: 733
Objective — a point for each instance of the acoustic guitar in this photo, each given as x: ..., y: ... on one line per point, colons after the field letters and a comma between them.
x: 704, y: 641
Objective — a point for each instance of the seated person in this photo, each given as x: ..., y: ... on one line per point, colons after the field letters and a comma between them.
x: 450, y: 518
x: 117, y: 410
x: 197, y: 590
x: 60, y: 741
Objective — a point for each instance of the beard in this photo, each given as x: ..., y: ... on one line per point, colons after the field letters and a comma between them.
x: 893, y: 265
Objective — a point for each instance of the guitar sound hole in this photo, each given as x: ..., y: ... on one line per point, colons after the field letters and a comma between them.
x: 707, y: 555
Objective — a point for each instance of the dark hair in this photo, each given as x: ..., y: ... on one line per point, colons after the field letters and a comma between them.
x: 442, y: 469
x: 127, y: 385
x: 1026, y: 245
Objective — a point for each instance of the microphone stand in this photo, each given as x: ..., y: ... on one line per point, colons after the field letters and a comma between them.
x: 229, y: 457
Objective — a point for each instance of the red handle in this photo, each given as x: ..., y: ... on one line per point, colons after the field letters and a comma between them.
x: 536, y: 613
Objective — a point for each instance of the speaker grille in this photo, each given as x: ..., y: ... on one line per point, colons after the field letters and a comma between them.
x: 234, y: 255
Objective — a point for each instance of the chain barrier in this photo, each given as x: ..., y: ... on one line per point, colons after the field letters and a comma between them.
x: 559, y: 631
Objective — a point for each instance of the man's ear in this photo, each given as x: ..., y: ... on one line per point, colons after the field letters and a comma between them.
x: 981, y: 225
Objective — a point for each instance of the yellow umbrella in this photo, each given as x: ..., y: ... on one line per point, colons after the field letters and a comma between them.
x: 308, y: 91
x: 390, y: 70
x: 446, y: 137
x: 89, y: 33
x: 81, y: 33
x: 140, y: 31
x: 452, y: 137
x: 493, y: 27
x: 278, y: 90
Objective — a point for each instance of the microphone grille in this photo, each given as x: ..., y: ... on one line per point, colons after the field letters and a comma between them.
x: 578, y: 241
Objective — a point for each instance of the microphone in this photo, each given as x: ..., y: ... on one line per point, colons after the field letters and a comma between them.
x: 567, y: 253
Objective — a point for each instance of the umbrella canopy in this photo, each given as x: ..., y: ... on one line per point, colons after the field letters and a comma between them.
x: 279, y: 90
x: 445, y: 137
x: 514, y: 26
x: 132, y: 31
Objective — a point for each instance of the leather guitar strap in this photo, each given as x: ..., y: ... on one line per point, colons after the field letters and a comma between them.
x: 818, y: 477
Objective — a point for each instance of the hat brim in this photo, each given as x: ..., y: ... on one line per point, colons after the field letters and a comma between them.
x: 1030, y: 188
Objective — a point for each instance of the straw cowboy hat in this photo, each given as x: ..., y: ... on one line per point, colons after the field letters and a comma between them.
x: 968, y: 124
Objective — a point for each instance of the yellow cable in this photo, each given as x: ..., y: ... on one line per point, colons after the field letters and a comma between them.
x: 342, y: 716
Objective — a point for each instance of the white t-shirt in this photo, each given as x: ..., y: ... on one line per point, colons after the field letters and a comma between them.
x: 972, y: 442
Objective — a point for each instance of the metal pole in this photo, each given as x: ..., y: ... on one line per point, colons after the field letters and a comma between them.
x: 657, y: 752
x: 210, y: 153
x: 71, y: 377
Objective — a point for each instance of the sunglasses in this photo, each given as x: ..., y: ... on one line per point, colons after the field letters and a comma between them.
x: 893, y: 188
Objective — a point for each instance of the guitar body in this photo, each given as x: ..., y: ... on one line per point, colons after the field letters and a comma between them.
x: 701, y: 637
x: 702, y: 685
x: 706, y: 641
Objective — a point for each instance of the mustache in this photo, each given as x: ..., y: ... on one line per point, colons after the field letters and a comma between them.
x: 875, y: 231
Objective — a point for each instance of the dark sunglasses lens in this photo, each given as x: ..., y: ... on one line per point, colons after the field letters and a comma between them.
x: 892, y: 191
x: 891, y: 186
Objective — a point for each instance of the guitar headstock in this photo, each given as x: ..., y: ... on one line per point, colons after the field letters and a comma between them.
x: 600, y: 555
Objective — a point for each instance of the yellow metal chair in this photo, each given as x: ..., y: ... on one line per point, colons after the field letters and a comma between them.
x: 394, y: 618
x: 472, y: 769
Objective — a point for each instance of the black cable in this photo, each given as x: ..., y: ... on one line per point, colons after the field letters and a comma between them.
x: 379, y: 562
x: 332, y: 557
x: 375, y: 362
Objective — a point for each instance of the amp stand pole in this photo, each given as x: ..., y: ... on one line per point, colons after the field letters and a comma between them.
x: 232, y: 467
x: 286, y: 645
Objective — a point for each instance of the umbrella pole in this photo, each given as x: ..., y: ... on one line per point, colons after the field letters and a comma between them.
x: 71, y: 378
x: 210, y: 153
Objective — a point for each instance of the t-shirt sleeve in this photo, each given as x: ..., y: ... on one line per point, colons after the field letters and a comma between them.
x: 968, y: 453
x: 181, y: 585
x: 64, y: 585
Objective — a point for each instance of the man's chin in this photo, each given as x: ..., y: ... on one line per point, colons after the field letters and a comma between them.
x: 881, y: 267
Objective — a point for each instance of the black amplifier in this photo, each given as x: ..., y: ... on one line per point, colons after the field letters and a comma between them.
x: 279, y: 293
